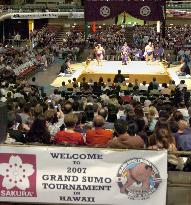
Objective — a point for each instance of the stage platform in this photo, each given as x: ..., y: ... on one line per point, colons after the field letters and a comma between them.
x: 139, y: 70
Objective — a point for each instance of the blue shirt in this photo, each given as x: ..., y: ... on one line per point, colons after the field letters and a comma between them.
x: 183, y: 140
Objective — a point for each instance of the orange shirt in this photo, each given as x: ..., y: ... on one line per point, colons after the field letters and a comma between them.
x: 72, y: 138
x: 98, y: 136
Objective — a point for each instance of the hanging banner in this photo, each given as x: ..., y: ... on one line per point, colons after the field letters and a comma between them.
x: 82, y: 175
x: 148, y: 10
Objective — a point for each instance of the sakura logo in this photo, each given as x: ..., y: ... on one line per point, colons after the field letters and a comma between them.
x: 16, y: 173
x: 105, y: 11
x: 145, y: 11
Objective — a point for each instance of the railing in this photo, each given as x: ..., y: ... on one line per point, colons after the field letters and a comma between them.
x: 42, y: 7
x: 186, y: 5
x: 177, y: 5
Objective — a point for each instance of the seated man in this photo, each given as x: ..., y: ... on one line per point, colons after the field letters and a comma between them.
x: 65, y: 68
x: 98, y: 136
x: 119, y: 78
x: 184, y: 68
x: 124, y: 137
x: 144, y: 86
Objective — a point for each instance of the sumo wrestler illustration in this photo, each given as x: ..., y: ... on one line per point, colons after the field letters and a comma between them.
x: 138, y: 178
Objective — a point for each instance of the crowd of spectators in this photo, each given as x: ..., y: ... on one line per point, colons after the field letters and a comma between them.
x: 176, y: 36
x: 113, y: 37
x: 72, y: 45
x: 43, y: 48
x: 117, y: 115
x: 39, y: 54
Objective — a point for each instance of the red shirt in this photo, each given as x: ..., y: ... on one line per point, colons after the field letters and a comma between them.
x: 99, y: 137
x: 69, y: 137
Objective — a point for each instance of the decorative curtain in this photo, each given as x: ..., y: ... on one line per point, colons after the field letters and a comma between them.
x: 148, y: 10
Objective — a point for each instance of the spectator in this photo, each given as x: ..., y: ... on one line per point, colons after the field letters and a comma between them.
x: 183, y: 109
x: 183, y: 137
x: 172, y: 86
x: 98, y: 136
x: 69, y: 135
x: 165, y: 141
x: 63, y: 88
x: 123, y: 139
x: 104, y: 113
x: 143, y: 87
x: 155, y: 83
x: 165, y: 91
x: 38, y: 132
x: 182, y: 85
x: 119, y: 78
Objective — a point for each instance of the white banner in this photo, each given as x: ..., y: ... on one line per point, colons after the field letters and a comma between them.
x: 35, y: 15
x: 82, y: 175
x: 76, y: 15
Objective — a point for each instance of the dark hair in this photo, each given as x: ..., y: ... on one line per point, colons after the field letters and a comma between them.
x: 112, y: 113
x: 139, y: 111
x: 27, y: 108
x: 89, y: 111
x: 56, y: 92
x: 190, y: 121
x: 132, y: 128
x: 164, y: 85
x: 38, y: 132
x: 164, y: 114
x: 75, y: 106
x: 173, y: 126
x: 101, y: 80
x: 11, y: 117
x: 130, y: 116
x: 120, y: 126
x: 177, y: 116
x: 109, y: 80
x: 140, y: 124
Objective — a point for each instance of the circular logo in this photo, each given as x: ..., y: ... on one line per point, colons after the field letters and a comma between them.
x: 145, y: 11
x: 105, y: 11
x: 138, y: 179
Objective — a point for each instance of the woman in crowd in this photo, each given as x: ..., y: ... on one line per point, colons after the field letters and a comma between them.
x: 164, y: 140
x: 38, y: 132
